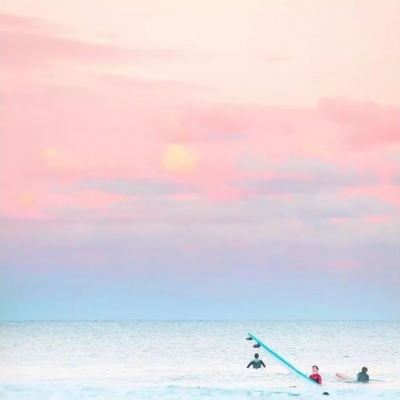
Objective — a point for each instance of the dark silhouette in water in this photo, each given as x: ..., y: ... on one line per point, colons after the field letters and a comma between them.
x: 256, y: 363
x: 363, y: 376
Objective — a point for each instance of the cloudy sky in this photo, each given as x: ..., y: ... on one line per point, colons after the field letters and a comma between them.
x: 200, y: 159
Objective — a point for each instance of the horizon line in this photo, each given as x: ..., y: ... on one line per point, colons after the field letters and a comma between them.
x: 199, y: 320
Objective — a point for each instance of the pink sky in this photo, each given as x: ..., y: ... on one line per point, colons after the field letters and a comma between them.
x: 279, y: 117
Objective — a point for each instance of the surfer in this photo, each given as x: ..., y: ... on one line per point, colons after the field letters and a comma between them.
x: 256, y: 363
x: 315, y: 376
x: 363, y: 376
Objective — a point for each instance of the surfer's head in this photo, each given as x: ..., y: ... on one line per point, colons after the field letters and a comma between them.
x: 315, y: 369
x: 364, y: 369
x: 256, y: 355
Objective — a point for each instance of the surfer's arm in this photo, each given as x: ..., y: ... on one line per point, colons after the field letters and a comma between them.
x: 262, y: 363
x: 250, y: 364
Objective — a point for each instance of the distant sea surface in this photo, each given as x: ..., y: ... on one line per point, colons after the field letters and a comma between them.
x: 194, y: 360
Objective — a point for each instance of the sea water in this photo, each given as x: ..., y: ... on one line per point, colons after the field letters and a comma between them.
x: 194, y: 360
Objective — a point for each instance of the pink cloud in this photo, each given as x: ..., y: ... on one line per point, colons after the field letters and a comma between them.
x: 70, y: 126
x: 377, y: 219
x: 11, y: 22
x: 114, y: 148
x: 365, y: 124
x: 30, y: 43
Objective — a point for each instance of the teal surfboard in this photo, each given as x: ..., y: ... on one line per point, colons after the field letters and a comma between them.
x: 285, y: 363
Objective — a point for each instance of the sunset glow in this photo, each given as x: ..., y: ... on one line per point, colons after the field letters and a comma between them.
x: 175, y: 151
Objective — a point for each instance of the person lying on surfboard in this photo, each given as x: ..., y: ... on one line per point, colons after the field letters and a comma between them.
x: 315, y: 376
x: 256, y: 363
x: 363, y: 376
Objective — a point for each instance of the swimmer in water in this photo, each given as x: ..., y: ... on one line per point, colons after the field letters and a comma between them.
x: 256, y: 363
x: 363, y: 376
x: 315, y: 376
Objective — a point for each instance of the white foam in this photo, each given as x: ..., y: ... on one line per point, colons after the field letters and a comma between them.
x: 43, y: 391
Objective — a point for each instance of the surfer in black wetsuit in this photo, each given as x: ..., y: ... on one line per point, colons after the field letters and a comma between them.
x: 256, y: 363
x: 363, y: 376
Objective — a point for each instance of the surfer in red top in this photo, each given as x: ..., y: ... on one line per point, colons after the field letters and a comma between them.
x: 315, y: 376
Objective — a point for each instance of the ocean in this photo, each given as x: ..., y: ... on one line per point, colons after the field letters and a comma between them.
x: 194, y: 359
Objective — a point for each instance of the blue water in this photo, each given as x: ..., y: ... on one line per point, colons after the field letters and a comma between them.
x: 191, y: 360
